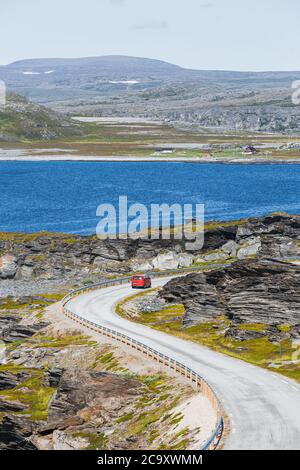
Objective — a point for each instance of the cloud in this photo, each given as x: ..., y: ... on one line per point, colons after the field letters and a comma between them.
x: 151, y: 24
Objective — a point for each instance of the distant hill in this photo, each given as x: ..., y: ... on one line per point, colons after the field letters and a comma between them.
x: 140, y: 87
x: 22, y: 120
x: 137, y: 67
x: 105, y: 65
x: 52, y: 80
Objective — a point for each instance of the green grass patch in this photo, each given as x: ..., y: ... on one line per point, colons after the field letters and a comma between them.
x: 40, y: 341
x: 259, y: 351
x: 153, y: 382
x: 42, y: 300
x: 106, y: 358
x: 125, y: 418
x: 145, y: 419
x: 12, y: 304
x: 259, y: 327
x: 32, y: 393
x: 177, y: 418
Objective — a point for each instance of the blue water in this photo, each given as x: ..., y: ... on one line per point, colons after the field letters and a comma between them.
x: 63, y: 196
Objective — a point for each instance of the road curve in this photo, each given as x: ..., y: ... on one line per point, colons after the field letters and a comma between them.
x: 263, y: 408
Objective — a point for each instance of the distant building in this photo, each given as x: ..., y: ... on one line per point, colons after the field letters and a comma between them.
x: 249, y: 150
x: 164, y: 151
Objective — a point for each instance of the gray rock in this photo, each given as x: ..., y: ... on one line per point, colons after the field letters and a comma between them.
x: 150, y: 303
x: 54, y: 376
x: 15, y: 433
x: 24, y: 273
x: 10, y: 405
x: 64, y: 441
x: 212, y: 257
x: 250, y: 247
x: 230, y: 248
x: 185, y: 260
x: 8, y: 381
x: 12, y: 330
x: 8, y: 266
x: 165, y: 261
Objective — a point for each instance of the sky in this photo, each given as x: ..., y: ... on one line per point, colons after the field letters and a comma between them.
x: 201, y: 34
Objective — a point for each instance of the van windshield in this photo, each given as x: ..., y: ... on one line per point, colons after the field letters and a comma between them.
x: 138, y: 278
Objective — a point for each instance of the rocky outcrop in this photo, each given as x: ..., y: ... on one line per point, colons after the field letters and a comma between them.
x: 12, y: 329
x: 249, y: 291
x: 172, y: 260
x: 54, y: 256
x: 15, y: 433
x: 136, y: 306
x: 9, y: 381
x: 90, y: 397
x: 275, y: 119
x: 11, y: 405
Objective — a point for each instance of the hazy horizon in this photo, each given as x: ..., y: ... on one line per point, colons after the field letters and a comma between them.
x: 203, y: 35
x: 147, y: 58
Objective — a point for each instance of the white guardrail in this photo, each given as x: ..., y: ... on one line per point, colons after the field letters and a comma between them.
x: 196, y: 379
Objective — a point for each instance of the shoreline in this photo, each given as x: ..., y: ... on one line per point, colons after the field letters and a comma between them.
x: 136, y: 159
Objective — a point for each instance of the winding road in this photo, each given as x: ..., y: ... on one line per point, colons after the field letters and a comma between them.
x: 263, y: 408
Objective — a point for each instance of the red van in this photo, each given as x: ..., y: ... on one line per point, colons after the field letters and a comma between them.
x: 142, y: 281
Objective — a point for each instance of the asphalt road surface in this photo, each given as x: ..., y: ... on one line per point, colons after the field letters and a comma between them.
x: 263, y: 408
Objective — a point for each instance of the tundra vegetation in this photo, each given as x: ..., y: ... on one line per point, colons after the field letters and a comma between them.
x: 61, y: 389
x: 222, y: 335
x: 37, y: 131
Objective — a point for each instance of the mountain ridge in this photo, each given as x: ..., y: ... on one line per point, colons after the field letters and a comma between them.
x: 52, y: 61
x: 121, y: 86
